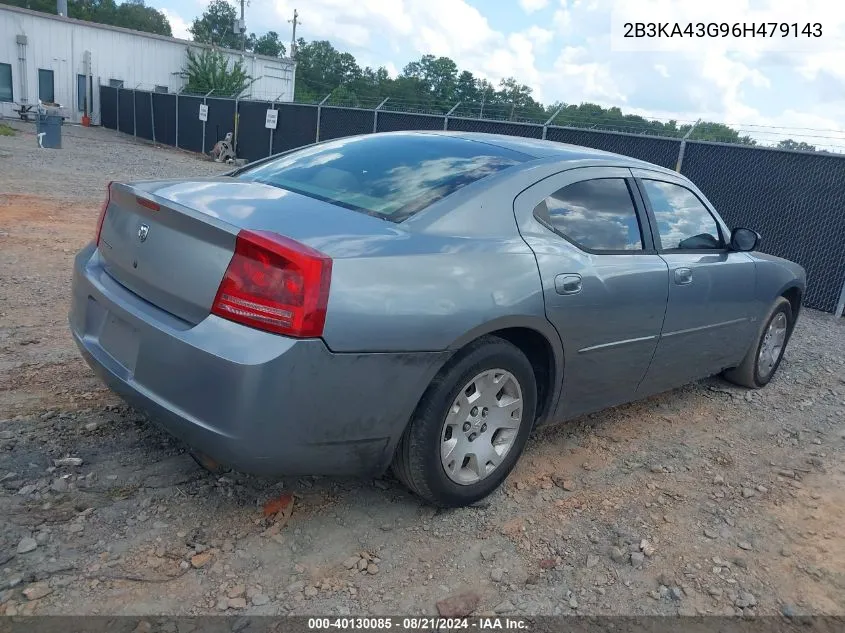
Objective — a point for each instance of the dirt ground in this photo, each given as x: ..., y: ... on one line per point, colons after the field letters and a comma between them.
x: 706, y: 500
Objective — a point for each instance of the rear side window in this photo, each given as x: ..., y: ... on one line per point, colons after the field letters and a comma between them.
x: 390, y: 177
x: 683, y: 222
x: 597, y: 215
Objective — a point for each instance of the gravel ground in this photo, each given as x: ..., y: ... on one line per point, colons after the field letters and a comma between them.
x: 706, y: 500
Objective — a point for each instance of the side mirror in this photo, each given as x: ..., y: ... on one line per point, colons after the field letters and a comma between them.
x: 743, y: 240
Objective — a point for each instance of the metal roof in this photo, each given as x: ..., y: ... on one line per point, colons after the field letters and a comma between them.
x: 155, y: 36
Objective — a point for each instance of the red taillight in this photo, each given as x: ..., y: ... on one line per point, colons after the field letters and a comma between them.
x: 276, y: 284
x: 103, y: 212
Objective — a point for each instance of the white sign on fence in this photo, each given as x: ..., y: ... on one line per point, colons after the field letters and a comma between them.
x: 203, y: 112
x: 272, y: 119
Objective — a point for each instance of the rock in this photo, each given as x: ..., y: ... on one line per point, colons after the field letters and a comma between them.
x: 27, y: 544
x: 497, y: 574
x: 67, y: 462
x: 28, y: 489
x: 222, y: 604
x: 236, y: 592
x: 711, y: 533
x: 547, y: 563
x: 747, y: 493
x: 744, y: 545
x: 362, y: 564
x: 647, y: 548
x: 489, y: 553
x: 716, y: 592
x: 91, y: 426
x: 762, y: 489
x: 59, y: 485
x: 311, y: 591
x: 573, y: 603
x: 260, y: 599
x: 296, y: 587
x: 351, y: 562
x: 745, y: 599
x: 504, y: 607
x: 198, y: 560
x: 786, y: 551
x: 37, y: 590
x: 458, y: 606
x: 675, y: 593
x: 656, y: 469
x: 663, y: 591
x: 372, y: 569
x: 618, y: 555
x: 665, y: 579
x: 562, y: 482
x: 788, y: 611
x: 592, y: 561
x: 237, y: 603
x: 718, y: 480
x: 637, y: 559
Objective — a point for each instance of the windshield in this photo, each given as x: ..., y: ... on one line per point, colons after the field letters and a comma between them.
x: 391, y: 176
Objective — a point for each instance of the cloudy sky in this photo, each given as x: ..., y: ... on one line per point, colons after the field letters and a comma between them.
x: 563, y: 50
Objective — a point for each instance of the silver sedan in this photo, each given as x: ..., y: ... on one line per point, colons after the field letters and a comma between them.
x: 420, y: 300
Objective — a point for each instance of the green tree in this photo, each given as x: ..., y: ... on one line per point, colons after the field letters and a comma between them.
x: 267, y: 44
x: 210, y: 70
x: 321, y: 68
x: 134, y: 14
x: 216, y: 26
x: 800, y: 146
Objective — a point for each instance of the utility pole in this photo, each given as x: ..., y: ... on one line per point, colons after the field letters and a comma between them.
x: 242, y: 26
x: 295, y: 21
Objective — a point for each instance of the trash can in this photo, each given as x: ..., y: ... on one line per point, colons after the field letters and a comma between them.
x: 48, y: 131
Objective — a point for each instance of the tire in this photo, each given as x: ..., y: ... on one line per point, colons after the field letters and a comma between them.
x: 420, y: 461
x: 753, y: 373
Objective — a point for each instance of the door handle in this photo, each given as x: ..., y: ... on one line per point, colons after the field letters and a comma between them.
x: 683, y: 276
x: 568, y: 284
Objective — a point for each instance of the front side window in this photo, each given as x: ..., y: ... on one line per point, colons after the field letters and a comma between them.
x: 45, y: 86
x: 116, y: 83
x: 6, y: 82
x: 683, y: 222
x: 389, y: 177
x: 597, y: 215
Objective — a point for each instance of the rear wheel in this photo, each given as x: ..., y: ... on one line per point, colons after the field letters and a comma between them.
x: 470, y: 426
x: 763, y: 359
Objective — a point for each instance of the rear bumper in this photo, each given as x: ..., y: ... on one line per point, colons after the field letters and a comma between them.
x: 258, y: 402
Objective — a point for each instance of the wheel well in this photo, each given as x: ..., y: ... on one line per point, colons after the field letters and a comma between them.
x: 793, y: 295
x: 539, y: 352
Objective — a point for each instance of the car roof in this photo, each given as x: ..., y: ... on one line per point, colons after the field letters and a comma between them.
x: 550, y: 151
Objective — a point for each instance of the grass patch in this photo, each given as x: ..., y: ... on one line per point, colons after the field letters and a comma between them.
x: 6, y: 130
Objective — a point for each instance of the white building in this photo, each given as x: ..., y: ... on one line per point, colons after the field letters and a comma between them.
x: 50, y: 57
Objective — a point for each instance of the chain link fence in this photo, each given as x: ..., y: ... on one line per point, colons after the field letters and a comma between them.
x: 794, y: 199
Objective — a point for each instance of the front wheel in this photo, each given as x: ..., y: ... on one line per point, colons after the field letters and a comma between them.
x: 763, y: 359
x: 470, y: 426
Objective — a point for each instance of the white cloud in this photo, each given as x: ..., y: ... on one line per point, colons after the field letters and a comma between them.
x: 177, y: 24
x: 662, y: 70
x: 530, y: 6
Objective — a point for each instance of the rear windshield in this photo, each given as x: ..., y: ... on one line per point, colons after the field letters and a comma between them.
x: 391, y: 177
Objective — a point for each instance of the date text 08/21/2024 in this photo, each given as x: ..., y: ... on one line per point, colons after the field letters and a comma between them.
x: 418, y: 624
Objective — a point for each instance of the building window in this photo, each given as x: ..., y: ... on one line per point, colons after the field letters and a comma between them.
x: 116, y: 83
x: 81, y: 93
x: 161, y: 89
x: 46, y: 91
x: 6, y: 82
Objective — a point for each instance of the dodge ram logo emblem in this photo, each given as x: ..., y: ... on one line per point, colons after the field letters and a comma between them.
x: 143, y: 231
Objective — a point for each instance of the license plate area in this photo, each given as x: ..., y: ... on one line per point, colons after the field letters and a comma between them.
x: 120, y: 341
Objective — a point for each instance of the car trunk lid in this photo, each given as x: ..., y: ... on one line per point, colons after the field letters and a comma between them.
x: 170, y: 242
